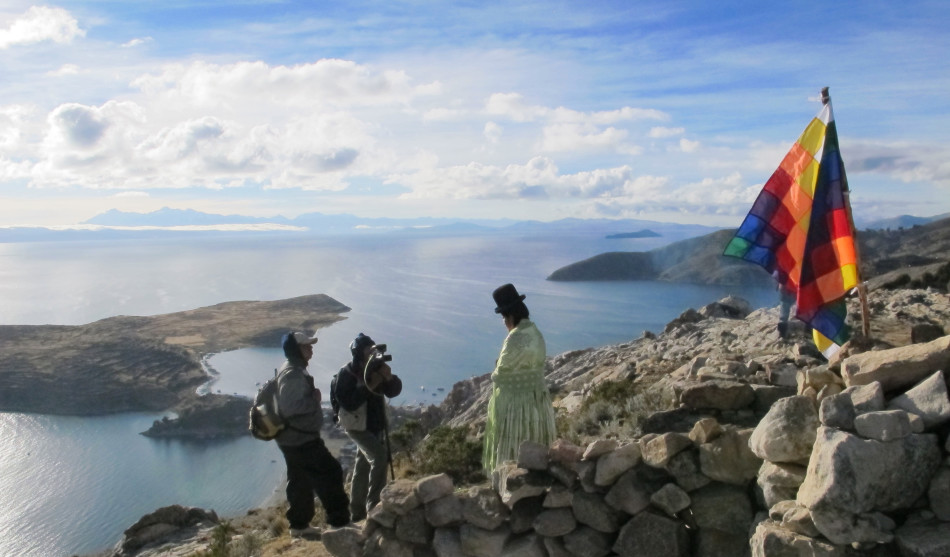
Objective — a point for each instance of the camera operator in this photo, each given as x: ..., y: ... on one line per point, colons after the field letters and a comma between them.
x: 359, y: 389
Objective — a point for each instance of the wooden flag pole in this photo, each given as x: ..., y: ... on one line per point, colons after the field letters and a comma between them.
x: 862, y: 286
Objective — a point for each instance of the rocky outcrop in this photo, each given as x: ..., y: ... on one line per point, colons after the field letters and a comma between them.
x: 205, y: 417
x: 166, y: 531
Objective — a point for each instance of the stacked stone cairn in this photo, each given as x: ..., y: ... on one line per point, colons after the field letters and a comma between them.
x: 856, y: 464
x: 853, y: 464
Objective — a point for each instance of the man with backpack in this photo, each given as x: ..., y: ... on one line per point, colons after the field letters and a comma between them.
x: 357, y: 395
x: 311, y: 469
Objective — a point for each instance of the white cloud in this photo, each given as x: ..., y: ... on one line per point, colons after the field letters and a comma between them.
x: 662, y: 132
x: 65, y: 69
x: 39, y: 24
x: 137, y: 42
x: 572, y: 137
x: 726, y: 195
x: 688, y: 146
x: 512, y: 105
x: 443, y: 115
x: 318, y: 85
x: 567, y: 130
x: 903, y: 161
x: 538, y: 178
x: 13, y: 121
x: 492, y: 132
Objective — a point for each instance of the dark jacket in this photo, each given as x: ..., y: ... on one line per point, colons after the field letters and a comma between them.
x: 351, y: 392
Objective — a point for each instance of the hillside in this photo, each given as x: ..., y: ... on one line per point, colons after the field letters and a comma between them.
x: 681, y: 420
x: 912, y: 252
x: 695, y: 260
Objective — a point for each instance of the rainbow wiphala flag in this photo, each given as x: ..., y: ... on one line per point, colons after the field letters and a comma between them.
x: 799, y: 229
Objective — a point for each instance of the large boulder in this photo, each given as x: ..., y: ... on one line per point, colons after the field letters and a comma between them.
x: 787, y: 432
x: 478, y: 542
x: 722, y: 507
x: 898, y: 367
x: 886, y: 425
x: 344, y: 541
x: 924, y: 539
x: 658, y: 451
x: 172, y: 523
x: 729, y: 459
x: 928, y: 399
x: 613, y: 464
x: 780, y: 481
x: 771, y: 540
x: 849, y: 477
x: 592, y: 510
x: 654, y: 535
x: 399, y: 497
x: 482, y: 507
x: 719, y: 395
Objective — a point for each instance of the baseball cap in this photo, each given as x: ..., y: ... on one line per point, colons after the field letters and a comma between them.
x: 302, y: 338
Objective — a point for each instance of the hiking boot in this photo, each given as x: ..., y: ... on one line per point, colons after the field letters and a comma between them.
x: 308, y: 533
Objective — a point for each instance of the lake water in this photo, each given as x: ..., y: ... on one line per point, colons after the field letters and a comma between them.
x: 71, y: 485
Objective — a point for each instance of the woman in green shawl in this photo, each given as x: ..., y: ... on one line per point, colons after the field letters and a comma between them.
x: 520, y: 406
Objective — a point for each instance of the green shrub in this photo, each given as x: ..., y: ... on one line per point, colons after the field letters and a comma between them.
x: 404, y: 438
x: 614, y: 408
x: 450, y: 450
x: 611, y: 392
x: 220, y: 541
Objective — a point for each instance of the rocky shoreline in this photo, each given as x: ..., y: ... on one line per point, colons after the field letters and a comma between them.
x: 139, y: 364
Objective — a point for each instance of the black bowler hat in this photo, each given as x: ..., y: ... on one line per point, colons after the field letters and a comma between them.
x: 506, y: 297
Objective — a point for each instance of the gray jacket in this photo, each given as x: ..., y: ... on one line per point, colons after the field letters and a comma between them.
x: 299, y: 407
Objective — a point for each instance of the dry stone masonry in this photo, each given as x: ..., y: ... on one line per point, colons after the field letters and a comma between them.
x: 850, y: 463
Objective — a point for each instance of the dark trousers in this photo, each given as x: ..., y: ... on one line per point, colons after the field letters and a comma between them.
x: 311, y: 469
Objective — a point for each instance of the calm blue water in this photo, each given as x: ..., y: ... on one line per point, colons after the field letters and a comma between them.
x: 71, y: 485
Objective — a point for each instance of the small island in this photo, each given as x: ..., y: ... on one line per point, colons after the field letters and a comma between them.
x: 645, y: 233
x: 142, y: 364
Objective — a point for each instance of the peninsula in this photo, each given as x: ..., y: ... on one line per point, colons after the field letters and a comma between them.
x: 140, y: 364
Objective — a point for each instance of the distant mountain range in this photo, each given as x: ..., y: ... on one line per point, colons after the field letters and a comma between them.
x: 315, y: 222
x: 903, y: 221
x: 166, y: 222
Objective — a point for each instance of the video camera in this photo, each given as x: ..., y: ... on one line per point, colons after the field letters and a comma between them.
x: 379, y: 354
x: 376, y: 359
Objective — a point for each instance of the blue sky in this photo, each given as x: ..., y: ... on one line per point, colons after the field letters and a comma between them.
x: 665, y: 110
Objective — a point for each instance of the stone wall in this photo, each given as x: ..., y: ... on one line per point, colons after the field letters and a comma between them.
x: 669, y: 494
x: 854, y: 464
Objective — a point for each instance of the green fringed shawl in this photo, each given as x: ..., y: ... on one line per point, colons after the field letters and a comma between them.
x: 520, y: 407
